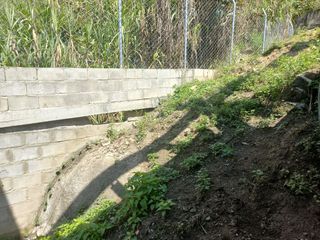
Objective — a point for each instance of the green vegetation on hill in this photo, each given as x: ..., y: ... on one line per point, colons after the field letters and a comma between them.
x: 253, y: 88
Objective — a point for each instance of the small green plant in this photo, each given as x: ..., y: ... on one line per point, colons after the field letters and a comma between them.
x: 164, y: 206
x: 146, y: 124
x: 298, y: 184
x: 182, y: 144
x: 113, y: 134
x: 304, y: 184
x: 202, y: 124
x: 222, y: 150
x: 91, y: 225
x: 203, y: 180
x: 146, y: 193
x: 258, y: 176
x: 152, y: 158
x: 193, y: 161
x: 284, y: 173
x: 98, y: 119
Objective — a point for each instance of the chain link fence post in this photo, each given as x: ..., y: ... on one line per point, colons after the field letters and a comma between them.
x: 233, y: 28
x: 186, y: 25
x: 290, y: 26
x: 120, y: 33
x: 265, y: 30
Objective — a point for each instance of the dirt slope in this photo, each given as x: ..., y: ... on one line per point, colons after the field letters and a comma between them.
x: 239, y: 204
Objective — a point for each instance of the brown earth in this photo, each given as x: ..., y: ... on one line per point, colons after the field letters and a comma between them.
x: 237, y: 206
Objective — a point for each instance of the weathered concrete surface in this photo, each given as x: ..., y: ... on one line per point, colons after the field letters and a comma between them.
x: 29, y: 160
x: 73, y: 189
x: 31, y: 95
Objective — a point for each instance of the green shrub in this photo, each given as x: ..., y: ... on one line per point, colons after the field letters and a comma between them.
x: 222, y: 150
x: 193, y: 161
x: 182, y: 144
x: 203, y: 180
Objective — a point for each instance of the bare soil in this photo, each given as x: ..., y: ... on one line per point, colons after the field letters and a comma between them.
x: 237, y: 206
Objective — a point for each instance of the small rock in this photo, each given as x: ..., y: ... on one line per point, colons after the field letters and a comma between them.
x: 233, y: 223
x: 185, y: 209
x: 193, y: 210
x: 208, y: 218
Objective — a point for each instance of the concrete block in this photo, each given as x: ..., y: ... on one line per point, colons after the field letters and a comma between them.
x: 144, y: 83
x: 26, y: 181
x: 169, y: 73
x: 103, y: 85
x: 52, y: 101
x: 155, y: 83
x: 26, y: 208
x: 54, y: 149
x: 12, y: 88
x: 4, y: 104
x: 114, y: 85
x: 135, y: 95
x: 132, y: 105
x: 76, y: 144
x: 64, y: 135
x: 117, y: 74
x: 76, y: 73
x: 36, y: 193
x: 152, y: 93
x: 77, y: 99
x: 36, y: 166
x: 8, y: 140
x: 6, y: 156
x: 47, y: 177
x: 169, y: 82
x: 41, y: 88
x: 57, y: 161
x: 6, y: 184
x: 98, y: 74
x: 51, y: 74
x: 134, y: 73
x: 26, y: 153
x: 22, y: 103
x: 199, y: 74
x: 189, y: 73
x: 38, y: 137
x: 13, y: 197
x: 150, y: 73
x: 156, y: 93
x: 21, y: 74
x: 118, y: 96
x: 64, y: 100
x: 26, y: 221
x: 77, y: 87
x: 130, y: 84
x: 100, y: 97
x: 2, y: 75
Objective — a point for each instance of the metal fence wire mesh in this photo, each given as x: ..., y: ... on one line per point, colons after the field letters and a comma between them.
x: 133, y: 34
x: 153, y: 36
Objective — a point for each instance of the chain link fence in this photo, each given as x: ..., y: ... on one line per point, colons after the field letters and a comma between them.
x: 133, y: 34
x: 195, y: 34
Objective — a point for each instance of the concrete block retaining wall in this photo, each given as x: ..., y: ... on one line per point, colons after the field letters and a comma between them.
x: 30, y: 95
x: 29, y: 161
x: 30, y: 158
